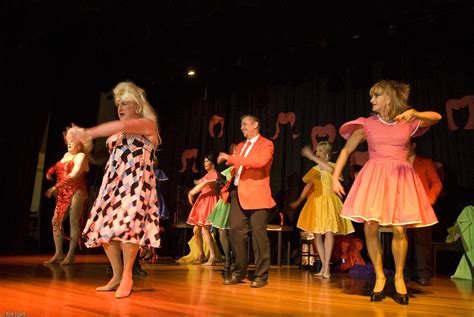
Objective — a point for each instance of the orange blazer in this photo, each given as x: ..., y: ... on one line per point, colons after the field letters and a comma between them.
x: 426, y: 170
x: 254, y: 183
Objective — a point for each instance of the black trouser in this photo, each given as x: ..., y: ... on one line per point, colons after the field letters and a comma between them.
x: 419, y: 252
x: 239, y: 225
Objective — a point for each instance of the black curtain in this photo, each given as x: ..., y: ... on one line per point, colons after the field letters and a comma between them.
x: 319, y: 100
x: 27, y: 102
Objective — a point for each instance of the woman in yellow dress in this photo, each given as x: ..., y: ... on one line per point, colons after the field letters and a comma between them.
x: 321, y: 212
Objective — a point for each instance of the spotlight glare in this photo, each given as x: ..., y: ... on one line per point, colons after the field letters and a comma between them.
x: 191, y: 73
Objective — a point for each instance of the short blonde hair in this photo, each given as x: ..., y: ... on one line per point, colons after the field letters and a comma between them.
x: 398, y: 93
x: 128, y: 91
x: 327, y: 147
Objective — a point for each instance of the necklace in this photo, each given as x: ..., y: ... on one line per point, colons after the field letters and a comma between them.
x: 386, y: 120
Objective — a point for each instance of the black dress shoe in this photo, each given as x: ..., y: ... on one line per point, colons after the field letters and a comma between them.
x: 258, y: 283
x: 425, y: 281
x: 232, y: 281
x: 377, y: 296
x: 402, y: 299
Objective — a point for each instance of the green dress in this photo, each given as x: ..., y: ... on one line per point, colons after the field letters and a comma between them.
x: 219, y: 217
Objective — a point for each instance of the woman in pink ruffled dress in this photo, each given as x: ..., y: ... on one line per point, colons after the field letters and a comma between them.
x: 387, y: 191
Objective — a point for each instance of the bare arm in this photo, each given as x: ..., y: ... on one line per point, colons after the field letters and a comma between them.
x: 81, y: 164
x: 141, y: 126
x: 306, y: 152
x: 428, y: 118
x: 196, y: 189
x: 357, y: 137
x: 302, y: 196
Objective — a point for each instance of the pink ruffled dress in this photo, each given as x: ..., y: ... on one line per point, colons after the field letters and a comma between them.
x: 387, y: 189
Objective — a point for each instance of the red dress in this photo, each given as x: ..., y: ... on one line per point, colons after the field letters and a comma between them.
x: 205, y: 202
x: 66, y: 187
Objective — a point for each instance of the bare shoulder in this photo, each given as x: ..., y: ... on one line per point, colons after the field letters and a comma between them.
x: 80, y: 157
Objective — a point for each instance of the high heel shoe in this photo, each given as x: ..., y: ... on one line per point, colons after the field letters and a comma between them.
x: 120, y: 293
x: 198, y: 261
x: 377, y: 296
x: 109, y: 287
x: 210, y: 262
x: 320, y: 273
x: 402, y: 299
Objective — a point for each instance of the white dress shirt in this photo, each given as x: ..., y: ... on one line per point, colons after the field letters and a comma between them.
x: 252, y: 142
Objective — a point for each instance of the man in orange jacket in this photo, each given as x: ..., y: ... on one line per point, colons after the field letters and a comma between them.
x: 250, y: 199
x: 419, y: 264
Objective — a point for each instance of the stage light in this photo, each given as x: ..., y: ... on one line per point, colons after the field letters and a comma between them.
x: 191, y: 73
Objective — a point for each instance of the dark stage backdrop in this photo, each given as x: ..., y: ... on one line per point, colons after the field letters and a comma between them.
x: 301, y: 113
x: 295, y: 111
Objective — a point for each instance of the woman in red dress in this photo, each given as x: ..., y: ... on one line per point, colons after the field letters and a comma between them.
x: 202, y: 208
x: 70, y: 191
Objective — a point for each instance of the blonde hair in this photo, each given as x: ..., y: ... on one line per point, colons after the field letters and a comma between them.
x: 128, y: 91
x: 85, y: 148
x: 398, y: 93
x: 327, y: 147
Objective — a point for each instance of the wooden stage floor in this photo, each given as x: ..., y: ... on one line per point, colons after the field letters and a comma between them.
x: 29, y: 288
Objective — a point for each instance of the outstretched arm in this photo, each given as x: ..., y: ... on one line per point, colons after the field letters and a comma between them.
x: 142, y: 126
x: 302, y: 196
x: 428, y: 118
x: 308, y: 153
x: 261, y: 159
x: 357, y: 137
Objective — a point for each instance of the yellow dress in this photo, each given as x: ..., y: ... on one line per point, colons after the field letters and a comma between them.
x: 193, y: 254
x: 322, y: 210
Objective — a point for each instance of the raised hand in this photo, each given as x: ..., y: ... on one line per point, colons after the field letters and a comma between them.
x: 337, y: 187
x: 222, y: 157
x: 307, y: 152
x: 408, y: 115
